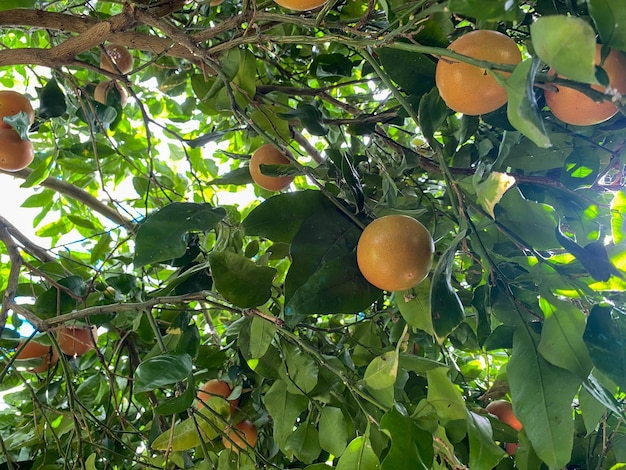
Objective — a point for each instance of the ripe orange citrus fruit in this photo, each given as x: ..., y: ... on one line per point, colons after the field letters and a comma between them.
x: 503, y: 410
x: 574, y: 107
x: 269, y: 155
x: 301, y: 5
x: 104, y: 88
x: 240, y: 436
x: 15, y: 153
x: 216, y: 388
x: 34, y: 350
x: 76, y: 341
x: 469, y: 89
x: 395, y: 252
x: 11, y: 103
x: 118, y: 55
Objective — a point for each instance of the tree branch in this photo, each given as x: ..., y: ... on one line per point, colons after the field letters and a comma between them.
x: 79, y: 195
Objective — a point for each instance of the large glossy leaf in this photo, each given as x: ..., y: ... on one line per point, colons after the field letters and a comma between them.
x: 359, y: 455
x: 303, y: 443
x: 382, y: 372
x: 411, y: 447
x: 522, y: 108
x: 492, y: 10
x: 162, y: 236
x: 444, y: 396
x: 300, y: 371
x: 529, y: 221
x: 432, y: 113
x: 567, y: 44
x: 542, y: 399
x: 162, y: 370
x: 284, y: 407
x: 324, y: 276
x: 240, y: 280
x: 262, y: 333
x: 609, y: 17
x: 414, y: 72
x: 562, y: 337
x: 415, y: 307
x: 333, y: 429
x: 605, y: 336
x: 446, y: 308
x: 484, y: 453
x: 279, y: 217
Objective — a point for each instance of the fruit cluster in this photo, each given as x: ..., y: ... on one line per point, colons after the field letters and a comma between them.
x: 240, y: 436
x: 472, y: 90
x: 16, y: 153
x: 37, y: 357
x: 115, y: 59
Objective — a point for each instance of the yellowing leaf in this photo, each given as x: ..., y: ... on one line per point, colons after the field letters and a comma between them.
x: 490, y: 191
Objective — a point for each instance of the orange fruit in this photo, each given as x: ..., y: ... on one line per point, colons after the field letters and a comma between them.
x: 301, y: 5
x: 503, y: 410
x: 34, y: 350
x: 118, y: 55
x: 240, y: 436
x: 11, y: 103
x: 269, y: 155
x: 219, y: 388
x: 15, y: 153
x: 76, y: 341
x: 395, y: 252
x: 102, y: 90
x: 574, y: 107
x: 469, y: 89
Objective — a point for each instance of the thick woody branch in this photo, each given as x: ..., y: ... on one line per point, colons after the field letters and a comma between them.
x: 79, y: 195
x: 14, y: 273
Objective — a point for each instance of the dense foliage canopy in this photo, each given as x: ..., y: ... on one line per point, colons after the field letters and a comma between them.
x: 188, y: 271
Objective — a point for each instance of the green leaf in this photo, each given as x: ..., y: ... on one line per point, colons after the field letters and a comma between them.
x: 303, y: 443
x: 413, y: 71
x: 300, y: 371
x: 446, y: 308
x: 414, y: 306
x: 591, y: 409
x: 331, y: 67
x: 484, y: 453
x: 432, y: 113
x: 609, y: 17
x: 522, y: 108
x: 382, y: 372
x: 51, y: 100
x: 162, y: 236
x: 532, y: 222
x: 411, y: 447
x: 190, y: 432
x: 562, y: 337
x: 240, y: 280
x: 11, y: 4
x: 605, y: 336
x: 567, y: 44
x: 279, y: 217
x: 284, y: 407
x: 618, y: 217
x: 324, y: 276
x: 444, y: 396
x: 490, y: 190
x: 237, y: 177
x: 542, y: 399
x: 271, y: 121
x: 359, y: 455
x: 333, y: 428
x: 179, y: 403
x: 310, y: 117
x: 262, y: 333
x: 166, y: 369
x: 493, y: 10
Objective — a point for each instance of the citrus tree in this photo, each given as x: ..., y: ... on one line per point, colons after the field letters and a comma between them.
x: 201, y: 173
